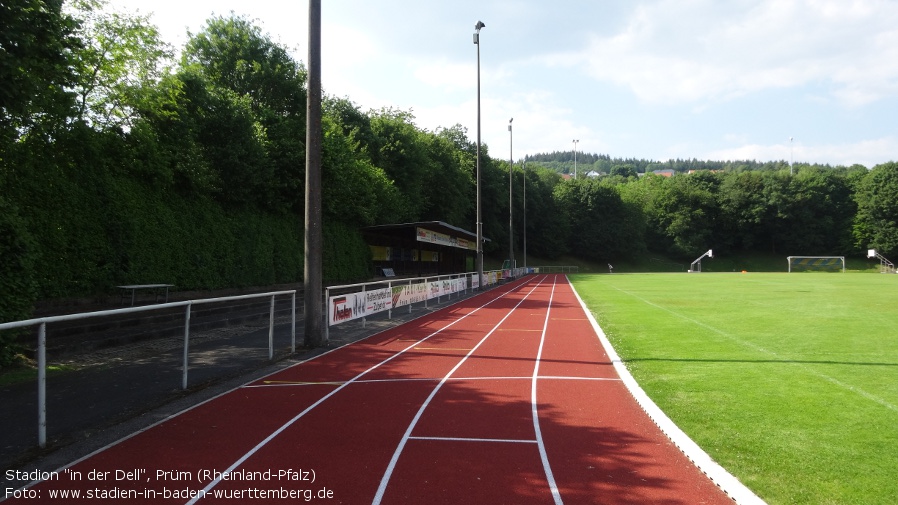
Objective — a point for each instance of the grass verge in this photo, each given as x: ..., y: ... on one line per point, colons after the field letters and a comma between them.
x: 25, y: 371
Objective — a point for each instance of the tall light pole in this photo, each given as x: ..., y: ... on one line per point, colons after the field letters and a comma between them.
x: 524, y: 169
x: 575, y: 158
x: 510, y: 201
x: 477, y: 28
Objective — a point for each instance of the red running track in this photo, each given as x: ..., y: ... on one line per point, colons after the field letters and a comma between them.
x: 506, y: 397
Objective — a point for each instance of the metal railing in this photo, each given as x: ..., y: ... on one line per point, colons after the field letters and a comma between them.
x: 556, y: 269
x: 42, y: 323
x: 391, y: 283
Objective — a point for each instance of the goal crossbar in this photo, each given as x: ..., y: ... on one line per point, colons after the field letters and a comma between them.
x: 816, y: 262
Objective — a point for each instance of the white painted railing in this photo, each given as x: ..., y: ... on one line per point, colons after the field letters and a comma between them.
x: 358, y: 301
x: 42, y: 323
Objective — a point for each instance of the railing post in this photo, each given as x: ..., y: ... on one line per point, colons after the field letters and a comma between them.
x: 364, y: 319
x: 42, y: 385
x: 327, y: 326
x: 271, y: 330
x: 390, y: 310
x: 293, y: 323
x: 186, y: 346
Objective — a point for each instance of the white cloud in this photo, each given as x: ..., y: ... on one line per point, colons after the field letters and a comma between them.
x: 865, y: 152
x: 445, y: 75
x: 675, y: 51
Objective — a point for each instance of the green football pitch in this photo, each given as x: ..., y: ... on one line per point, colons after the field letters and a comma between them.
x: 789, y: 381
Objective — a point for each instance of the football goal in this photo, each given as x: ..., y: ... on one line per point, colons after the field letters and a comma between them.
x: 816, y: 263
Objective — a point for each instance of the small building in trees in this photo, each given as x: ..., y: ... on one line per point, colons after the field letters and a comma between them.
x: 423, y: 248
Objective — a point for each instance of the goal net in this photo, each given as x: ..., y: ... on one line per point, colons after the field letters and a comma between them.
x: 816, y: 263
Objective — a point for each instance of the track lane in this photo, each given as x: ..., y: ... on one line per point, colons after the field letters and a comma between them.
x: 603, y: 447
x: 387, y: 476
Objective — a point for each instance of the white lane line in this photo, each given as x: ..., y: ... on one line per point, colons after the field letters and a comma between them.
x: 462, y: 439
x: 385, y: 480
x: 289, y: 423
x: 556, y: 377
x: 550, y: 477
x: 281, y: 384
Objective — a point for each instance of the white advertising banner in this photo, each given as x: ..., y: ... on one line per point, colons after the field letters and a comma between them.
x: 349, y: 306
x: 433, y: 237
x: 342, y: 308
x: 409, y: 294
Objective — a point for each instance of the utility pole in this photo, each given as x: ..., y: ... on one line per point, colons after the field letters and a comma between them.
x: 312, y: 273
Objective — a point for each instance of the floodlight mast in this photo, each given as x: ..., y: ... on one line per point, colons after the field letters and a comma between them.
x: 510, y: 200
x: 477, y: 28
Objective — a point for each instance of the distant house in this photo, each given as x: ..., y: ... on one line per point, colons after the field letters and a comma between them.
x: 593, y: 174
x: 664, y: 173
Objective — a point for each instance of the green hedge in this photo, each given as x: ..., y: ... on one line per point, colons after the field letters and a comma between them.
x: 17, y: 274
x: 91, y: 232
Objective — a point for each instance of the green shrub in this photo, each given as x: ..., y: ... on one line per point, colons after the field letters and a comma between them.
x: 17, y: 275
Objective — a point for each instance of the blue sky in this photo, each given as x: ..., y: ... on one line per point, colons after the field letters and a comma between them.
x: 654, y: 79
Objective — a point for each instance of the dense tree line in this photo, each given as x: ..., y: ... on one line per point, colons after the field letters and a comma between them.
x: 563, y: 162
x: 120, y: 164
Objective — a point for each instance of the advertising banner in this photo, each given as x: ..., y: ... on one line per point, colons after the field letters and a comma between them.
x: 409, y: 294
x: 342, y: 308
x: 433, y: 237
x: 349, y: 306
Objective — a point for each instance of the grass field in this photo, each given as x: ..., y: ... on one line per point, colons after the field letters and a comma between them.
x: 790, y: 381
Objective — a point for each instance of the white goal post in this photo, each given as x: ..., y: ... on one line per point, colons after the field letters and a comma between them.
x: 816, y: 263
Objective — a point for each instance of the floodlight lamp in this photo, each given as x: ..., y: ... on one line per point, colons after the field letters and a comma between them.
x: 478, y: 26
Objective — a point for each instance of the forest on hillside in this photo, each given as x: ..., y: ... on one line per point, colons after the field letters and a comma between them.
x: 563, y: 163
x: 120, y: 163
